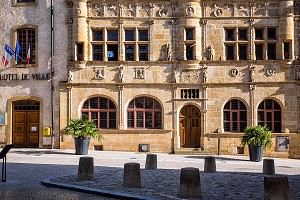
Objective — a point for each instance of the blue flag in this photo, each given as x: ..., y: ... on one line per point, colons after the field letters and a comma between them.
x: 17, y: 51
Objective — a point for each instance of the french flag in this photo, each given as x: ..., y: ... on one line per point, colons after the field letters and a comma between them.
x: 28, y: 55
x: 8, y: 54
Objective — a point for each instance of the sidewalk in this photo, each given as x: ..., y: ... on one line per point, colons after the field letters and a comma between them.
x: 236, y: 177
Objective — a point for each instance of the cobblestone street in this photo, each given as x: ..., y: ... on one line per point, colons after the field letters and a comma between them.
x: 236, y: 177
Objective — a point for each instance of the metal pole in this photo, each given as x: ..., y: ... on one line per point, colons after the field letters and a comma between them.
x: 52, y: 75
x: 219, y: 143
x: 4, y: 169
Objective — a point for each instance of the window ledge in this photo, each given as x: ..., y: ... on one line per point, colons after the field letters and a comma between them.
x: 25, y: 65
x: 22, y: 4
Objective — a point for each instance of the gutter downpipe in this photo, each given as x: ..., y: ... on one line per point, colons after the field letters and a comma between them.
x: 52, y: 75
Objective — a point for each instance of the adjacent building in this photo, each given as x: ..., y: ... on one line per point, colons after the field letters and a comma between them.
x: 159, y: 76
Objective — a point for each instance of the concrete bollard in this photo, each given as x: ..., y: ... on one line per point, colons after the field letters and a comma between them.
x: 268, y: 166
x: 190, y: 183
x: 132, y: 175
x: 210, y: 164
x: 276, y: 188
x: 151, y: 161
x: 86, y: 168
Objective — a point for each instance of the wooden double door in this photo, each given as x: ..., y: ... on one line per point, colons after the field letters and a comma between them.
x: 26, y: 124
x: 190, y: 127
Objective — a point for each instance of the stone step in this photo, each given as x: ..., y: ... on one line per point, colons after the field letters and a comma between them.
x: 192, y: 151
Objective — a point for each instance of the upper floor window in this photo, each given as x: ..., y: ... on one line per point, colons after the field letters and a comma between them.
x: 105, y: 45
x: 144, y: 112
x: 101, y: 110
x: 27, y: 39
x: 266, y: 43
x: 190, y: 44
x: 269, y: 114
x: 20, y: 1
x: 236, y: 43
x: 136, y: 45
x: 234, y: 116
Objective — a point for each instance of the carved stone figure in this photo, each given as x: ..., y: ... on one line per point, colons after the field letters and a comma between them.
x: 298, y: 74
x: 70, y: 78
x: 169, y: 51
x: 210, y: 53
x: 99, y: 74
x: 252, y: 73
x: 175, y: 75
x: 120, y: 74
x: 204, y: 72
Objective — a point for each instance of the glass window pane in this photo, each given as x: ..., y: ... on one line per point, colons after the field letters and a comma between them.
x: 243, y: 125
x: 148, y: 103
x: 94, y: 103
x: 131, y: 104
x: 129, y: 35
x: 243, y: 34
x: 226, y: 116
x: 227, y: 106
x: 139, y: 102
x: 277, y: 115
x: 258, y: 34
x: 111, y: 105
x: 261, y: 116
x: 243, y: 52
x: 259, y: 52
x: 157, y: 120
x: 148, y: 118
x: 97, y: 36
x: 269, y: 104
x: 229, y: 52
x: 234, y: 116
x: 234, y: 104
x: 229, y: 35
x: 103, y: 120
x: 112, y: 35
x: 227, y: 126
x: 139, y: 119
x: 112, y: 120
x: 84, y: 115
x: 189, y: 34
x: 143, y: 35
x: 277, y: 127
x: 103, y: 103
x: 130, y: 119
x: 94, y: 117
x: 243, y: 116
x: 234, y: 126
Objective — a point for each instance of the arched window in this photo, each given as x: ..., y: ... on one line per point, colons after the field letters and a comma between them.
x: 101, y: 110
x: 235, y: 116
x: 144, y: 112
x: 269, y: 114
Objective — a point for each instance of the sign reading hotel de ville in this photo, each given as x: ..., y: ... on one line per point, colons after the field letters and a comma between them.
x: 23, y: 77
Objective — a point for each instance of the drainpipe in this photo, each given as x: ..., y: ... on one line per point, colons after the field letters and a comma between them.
x: 52, y: 75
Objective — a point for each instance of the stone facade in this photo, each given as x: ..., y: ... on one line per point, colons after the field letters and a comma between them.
x: 197, y: 56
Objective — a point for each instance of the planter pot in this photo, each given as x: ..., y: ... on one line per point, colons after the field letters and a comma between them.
x: 82, y: 146
x: 256, y: 153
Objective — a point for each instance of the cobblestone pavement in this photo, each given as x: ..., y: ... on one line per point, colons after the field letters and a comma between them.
x: 236, y: 177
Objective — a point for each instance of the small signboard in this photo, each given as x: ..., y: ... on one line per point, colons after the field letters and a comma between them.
x: 282, y: 143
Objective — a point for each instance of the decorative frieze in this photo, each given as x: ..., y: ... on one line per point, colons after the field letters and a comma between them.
x: 99, y: 73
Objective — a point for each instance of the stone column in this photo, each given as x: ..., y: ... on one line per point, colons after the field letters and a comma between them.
x: 286, y: 27
x: 80, y: 26
x: 120, y: 104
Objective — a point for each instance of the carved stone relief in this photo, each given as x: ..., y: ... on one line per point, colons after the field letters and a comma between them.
x: 129, y: 10
x: 163, y: 11
x: 297, y: 72
x: 96, y: 10
x: 192, y: 76
x: 234, y: 72
x: 144, y: 11
x: 189, y: 10
x: 99, y: 73
x: 112, y: 10
x: 120, y: 74
x: 270, y: 71
x: 139, y: 73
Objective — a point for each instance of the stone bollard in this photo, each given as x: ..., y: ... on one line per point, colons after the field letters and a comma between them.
x: 190, y: 183
x: 210, y: 164
x: 268, y: 166
x: 276, y: 188
x: 151, y: 161
x: 86, y: 168
x: 132, y: 175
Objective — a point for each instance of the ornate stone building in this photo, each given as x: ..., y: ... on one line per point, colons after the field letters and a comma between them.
x: 180, y: 75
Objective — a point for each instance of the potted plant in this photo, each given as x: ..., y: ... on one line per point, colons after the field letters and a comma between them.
x: 257, y: 138
x: 82, y: 130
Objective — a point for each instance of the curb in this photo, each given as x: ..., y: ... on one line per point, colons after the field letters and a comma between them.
x: 104, y: 193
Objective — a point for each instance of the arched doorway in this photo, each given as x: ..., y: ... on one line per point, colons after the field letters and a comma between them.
x: 25, y: 129
x: 190, y: 127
